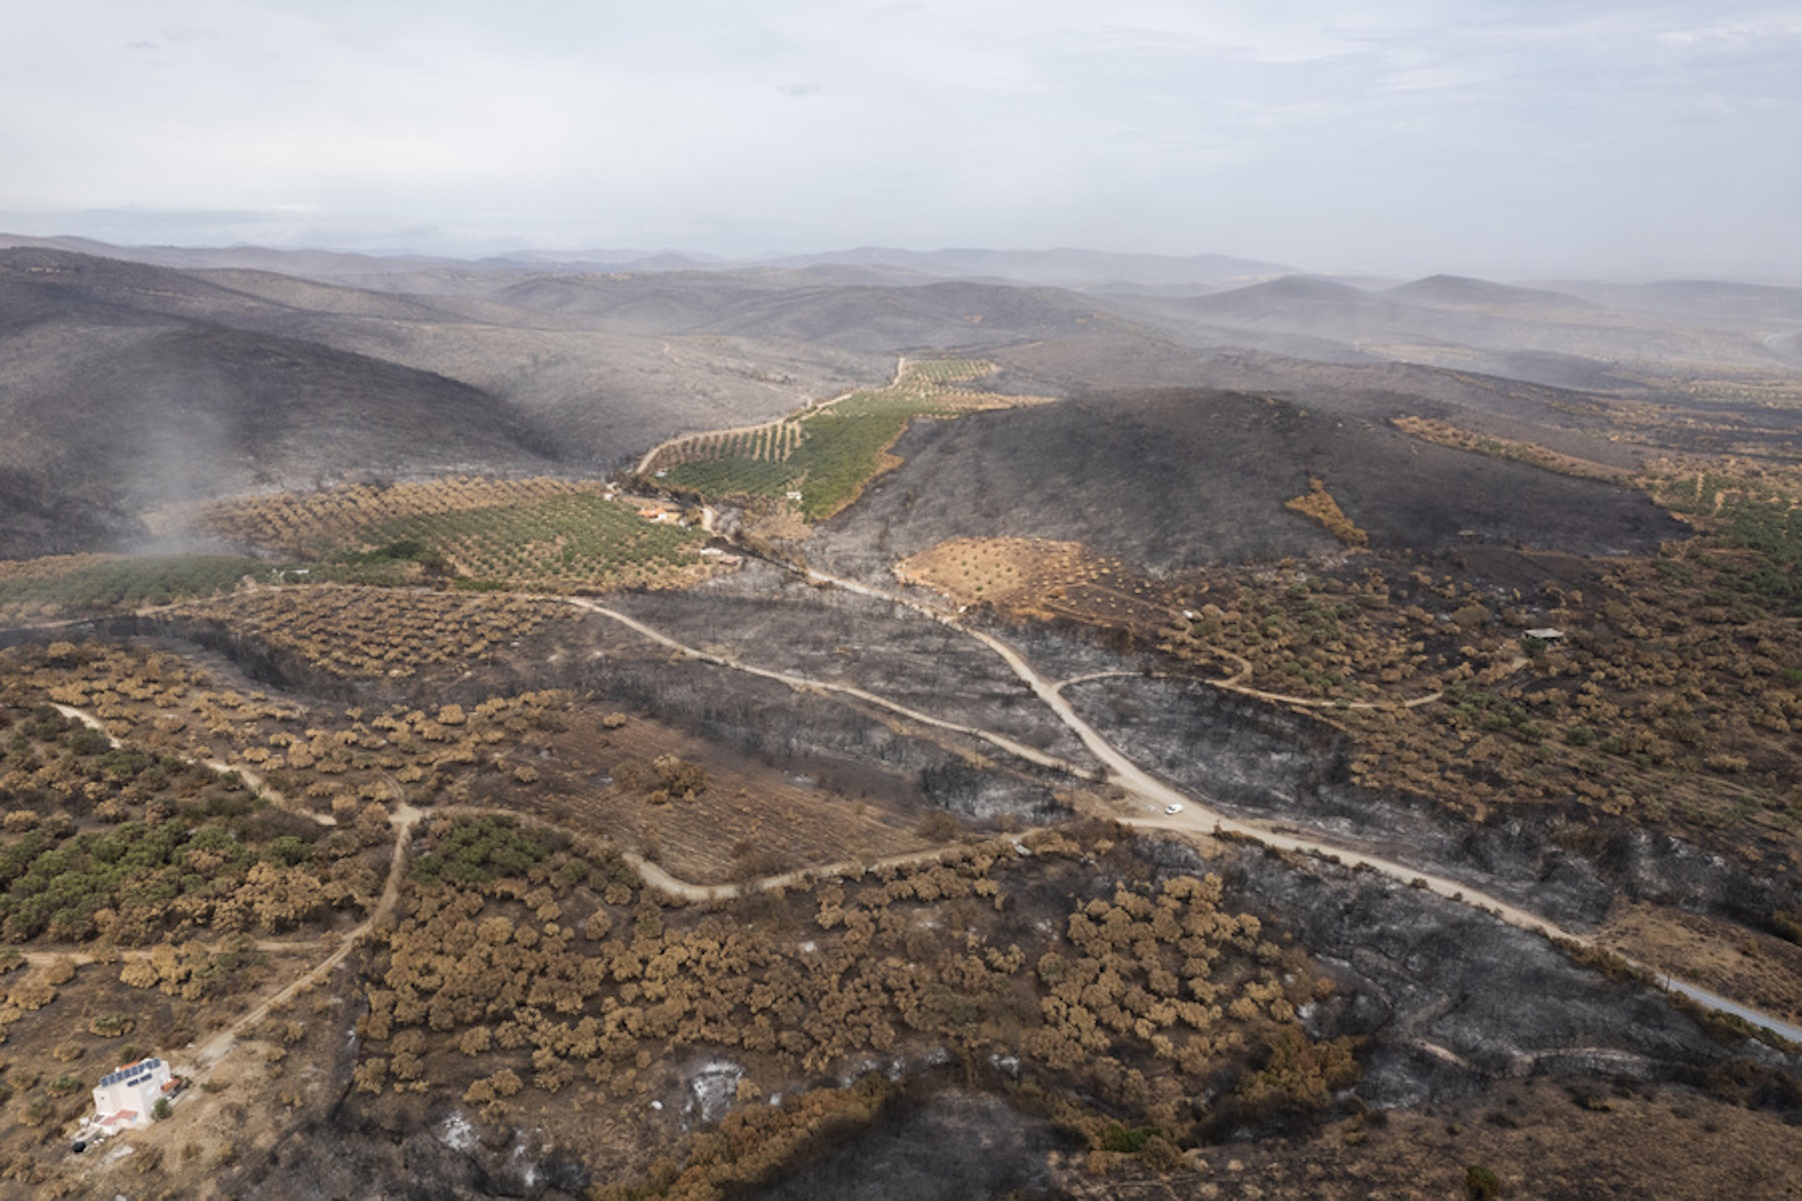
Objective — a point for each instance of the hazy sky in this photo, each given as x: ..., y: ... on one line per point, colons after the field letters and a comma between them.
x: 1504, y: 138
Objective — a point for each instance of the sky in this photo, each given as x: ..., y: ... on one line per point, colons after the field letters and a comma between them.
x: 1515, y: 139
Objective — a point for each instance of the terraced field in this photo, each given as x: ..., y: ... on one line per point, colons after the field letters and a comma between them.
x: 559, y: 544
x: 71, y: 586
x: 306, y: 525
x: 820, y: 459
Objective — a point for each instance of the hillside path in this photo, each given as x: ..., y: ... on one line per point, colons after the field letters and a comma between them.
x: 1161, y: 806
x: 211, y: 1053
x: 249, y: 775
x: 804, y: 684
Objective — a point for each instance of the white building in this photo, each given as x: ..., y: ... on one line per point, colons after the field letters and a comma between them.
x: 127, y: 1096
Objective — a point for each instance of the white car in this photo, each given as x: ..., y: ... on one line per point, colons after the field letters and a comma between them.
x: 1173, y: 809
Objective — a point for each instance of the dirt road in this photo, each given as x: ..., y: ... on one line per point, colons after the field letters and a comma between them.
x: 1148, y: 805
x: 1150, y: 799
x: 250, y: 776
x: 802, y: 683
x: 204, y: 1058
x: 661, y: 880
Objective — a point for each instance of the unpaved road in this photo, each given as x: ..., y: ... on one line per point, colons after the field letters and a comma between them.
x: 1151, y: 799
x: 204, y: 1058
x: 661, y: 880
x: 250, y: 776
x: 1018, y: 749
x: 1149, y: 805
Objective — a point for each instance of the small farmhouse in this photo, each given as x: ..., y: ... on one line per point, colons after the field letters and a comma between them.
x: 125, y: 1098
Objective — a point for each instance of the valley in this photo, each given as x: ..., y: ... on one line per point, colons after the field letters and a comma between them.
x: 686, y: 734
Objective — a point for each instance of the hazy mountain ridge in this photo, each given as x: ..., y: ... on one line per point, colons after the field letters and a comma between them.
x: 123, y: 386
x: 1073, y: 268
x: 1454, y: 291
x: 169, y: 414
x: 532, y: 366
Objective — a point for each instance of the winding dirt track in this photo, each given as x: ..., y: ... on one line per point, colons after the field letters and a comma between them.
x: 202, y: 1059
x: 1154, y: 798
x: 208, y: 1055
x: 1018, y: 749
x: 249, y: 775
x: 1194, y: 815
x: 661, y: 880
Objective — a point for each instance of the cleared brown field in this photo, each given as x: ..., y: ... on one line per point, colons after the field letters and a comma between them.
x: 748, y: 818
x: 1037, y: 577
x: 1723, y: 956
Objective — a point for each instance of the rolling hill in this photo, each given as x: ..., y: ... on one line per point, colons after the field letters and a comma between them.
x: 1174, y: 479
x: 135, y: 383
x: 124, y: 386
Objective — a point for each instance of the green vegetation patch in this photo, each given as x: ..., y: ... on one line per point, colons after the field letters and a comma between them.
x: 129, y: 583
x: 478, y: 850
x: 827, y: 454
x: 1772, y: 530
x: 559, y: 543
x: 734, y: 476
x: 175, y: 844
x: 1756, y: 516
x: 69, y: 886
x: 844, y: 445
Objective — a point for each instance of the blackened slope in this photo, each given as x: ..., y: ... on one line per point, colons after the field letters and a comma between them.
x: 1180, y: 478
x: 142, y: 416
x: 36, y: 519
x: 37, y: 285
x: 608, y: 394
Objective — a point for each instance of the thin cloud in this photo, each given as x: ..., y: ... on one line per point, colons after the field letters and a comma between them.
x: 1485, y: 135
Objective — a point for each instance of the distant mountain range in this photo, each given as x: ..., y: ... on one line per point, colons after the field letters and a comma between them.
x: 1074, y: 269
x: 131, y: 377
